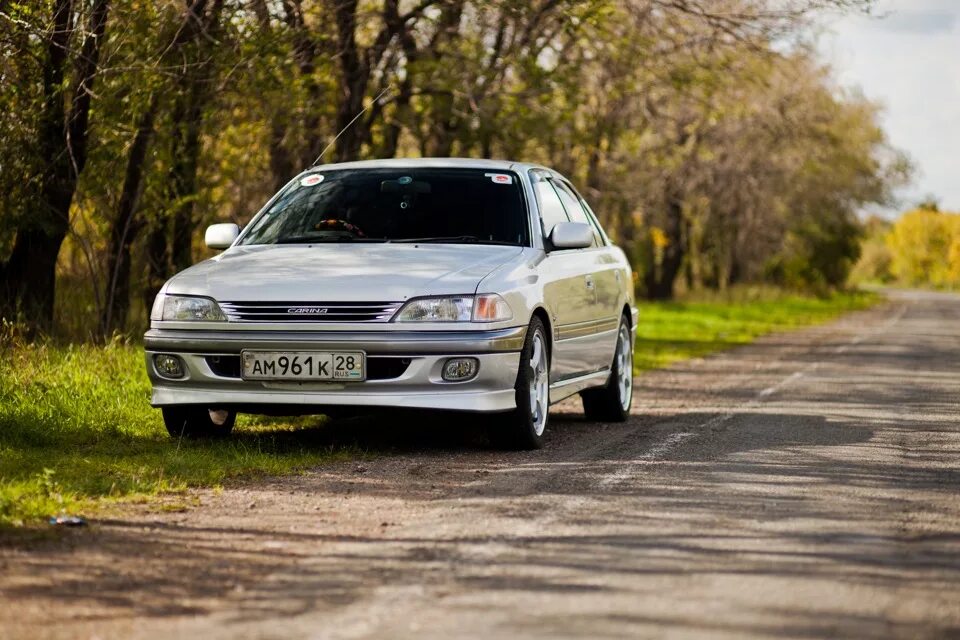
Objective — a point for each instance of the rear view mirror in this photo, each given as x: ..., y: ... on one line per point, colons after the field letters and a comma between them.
x: 571, y: 235
x: 221, y: 236
x: 405, y: 185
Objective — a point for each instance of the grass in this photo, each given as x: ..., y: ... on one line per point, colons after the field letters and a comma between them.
x: 77, y: 432
x: 698, y: 326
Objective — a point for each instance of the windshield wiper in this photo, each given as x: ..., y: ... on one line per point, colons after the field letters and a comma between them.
x: 456, y: 240
x: 312, y: 239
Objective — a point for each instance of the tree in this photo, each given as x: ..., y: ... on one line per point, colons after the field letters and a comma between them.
x: 170, y: 236
x: 127, y: 220
x: 713, y: 145
x: 28, y: 276
x: 925, y: 245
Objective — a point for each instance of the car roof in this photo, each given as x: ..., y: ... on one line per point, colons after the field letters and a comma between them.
x: 444, y: 163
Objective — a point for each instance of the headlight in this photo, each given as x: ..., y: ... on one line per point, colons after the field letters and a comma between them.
x: 167, y: 307
x: 483, y: 308
x: 456, y: 309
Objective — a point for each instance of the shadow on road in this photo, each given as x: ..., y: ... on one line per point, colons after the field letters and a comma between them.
x: 267, y: 569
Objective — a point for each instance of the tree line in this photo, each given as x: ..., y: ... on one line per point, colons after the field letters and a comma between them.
x: 710, y: 139
x: 921, y: 248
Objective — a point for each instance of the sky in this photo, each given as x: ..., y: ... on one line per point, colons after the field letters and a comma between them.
x: 907, y: 58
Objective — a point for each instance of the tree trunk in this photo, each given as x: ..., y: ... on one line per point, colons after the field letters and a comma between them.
x: 445, y: 127
x: 29, y: 276
x: 392, y: 130
x: 187, y: 120
x: 660, y: 282
x: 401, y: 112
x: 158, y: 261
x: 353, y: 82
x: 169, y: 241
x: 299, y: 136
x: 305, y: 53
x: 126, y: 225
x: 281, y: 161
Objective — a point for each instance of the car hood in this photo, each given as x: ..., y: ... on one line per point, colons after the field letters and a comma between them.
x: 341, y: 272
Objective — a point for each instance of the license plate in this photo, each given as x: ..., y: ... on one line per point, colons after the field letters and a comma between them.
x: 303, y: 365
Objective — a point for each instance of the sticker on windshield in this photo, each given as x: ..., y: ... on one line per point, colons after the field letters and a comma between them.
x: 404, y: 180
x: 500, y: 178
x: 311, y: 180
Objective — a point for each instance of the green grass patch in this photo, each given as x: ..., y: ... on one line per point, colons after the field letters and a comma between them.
x: 703, y: 324
x: 77, y: 432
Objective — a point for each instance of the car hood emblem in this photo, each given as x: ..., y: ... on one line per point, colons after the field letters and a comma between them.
x: 307, y: 310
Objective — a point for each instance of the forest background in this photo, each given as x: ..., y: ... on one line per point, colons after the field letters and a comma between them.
x: 714, y: 144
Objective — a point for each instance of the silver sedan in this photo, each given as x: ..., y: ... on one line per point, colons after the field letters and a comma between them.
x: 468, y: 285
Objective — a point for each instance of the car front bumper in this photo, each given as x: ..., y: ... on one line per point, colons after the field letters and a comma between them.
x: 406, y: 368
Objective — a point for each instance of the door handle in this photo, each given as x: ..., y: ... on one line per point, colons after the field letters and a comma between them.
x: 589, y: 282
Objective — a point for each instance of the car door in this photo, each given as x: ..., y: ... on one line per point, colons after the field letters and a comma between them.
x: 569, y: 293
x: 604, y: 277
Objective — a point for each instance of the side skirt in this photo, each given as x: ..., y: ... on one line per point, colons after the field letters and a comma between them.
x: 566, y: 388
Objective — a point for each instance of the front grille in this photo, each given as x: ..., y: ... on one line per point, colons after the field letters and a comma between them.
x: 310, y: 311
x: 378, y: 367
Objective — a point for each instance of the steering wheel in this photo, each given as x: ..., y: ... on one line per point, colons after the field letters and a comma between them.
x: 336, y: 224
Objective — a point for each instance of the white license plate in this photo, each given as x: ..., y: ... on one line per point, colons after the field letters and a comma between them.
x: 303, y: 365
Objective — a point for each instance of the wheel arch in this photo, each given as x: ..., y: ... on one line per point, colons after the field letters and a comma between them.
x: 540, y: 312
x: 627, y: 313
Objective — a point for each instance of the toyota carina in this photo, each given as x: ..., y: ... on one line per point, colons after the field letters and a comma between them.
x: 467, y: 285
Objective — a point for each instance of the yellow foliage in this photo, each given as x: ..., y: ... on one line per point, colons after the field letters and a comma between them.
x: 659, y: 238
x: 953, y: 255
x: 925, y: 246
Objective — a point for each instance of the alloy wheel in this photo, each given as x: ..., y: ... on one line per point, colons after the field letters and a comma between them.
x: 539, y: 383
x: 625, y: 368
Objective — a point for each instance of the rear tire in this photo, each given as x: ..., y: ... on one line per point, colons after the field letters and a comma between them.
x: 611, y: 403
x: 198, y: 422
x: 527, y: 423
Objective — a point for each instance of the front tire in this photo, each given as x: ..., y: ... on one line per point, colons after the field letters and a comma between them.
x: 528, y: 422
x: 198, y: 422
x: 611, y: 403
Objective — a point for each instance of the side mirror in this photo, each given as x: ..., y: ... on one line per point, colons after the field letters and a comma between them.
x: 221, y: 236
x: 571, y: 235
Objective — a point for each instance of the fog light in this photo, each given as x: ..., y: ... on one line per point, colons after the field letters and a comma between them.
x: 460, y: 369
x: 168, y: 366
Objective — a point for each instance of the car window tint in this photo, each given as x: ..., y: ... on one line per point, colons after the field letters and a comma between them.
x: 575, y: 209
x: 551, y: 210
x: 397, y: 204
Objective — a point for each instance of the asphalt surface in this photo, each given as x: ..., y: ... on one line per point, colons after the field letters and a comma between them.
x: 804, y: 486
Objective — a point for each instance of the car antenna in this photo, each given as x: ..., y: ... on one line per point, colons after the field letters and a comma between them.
x: 350, y: 124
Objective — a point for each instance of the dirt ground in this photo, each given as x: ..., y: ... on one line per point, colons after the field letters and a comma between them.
x: 804, y: 486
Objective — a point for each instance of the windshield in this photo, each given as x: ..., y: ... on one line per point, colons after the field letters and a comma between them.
x: 396, y: 205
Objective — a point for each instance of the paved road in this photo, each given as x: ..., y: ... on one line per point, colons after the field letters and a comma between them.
x: 804, y: 486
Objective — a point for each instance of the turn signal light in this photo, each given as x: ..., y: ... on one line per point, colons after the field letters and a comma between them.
x: 489, y: 307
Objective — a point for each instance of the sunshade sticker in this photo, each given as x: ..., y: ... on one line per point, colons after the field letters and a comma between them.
x: 499, y: 178
x: 311, y: 180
